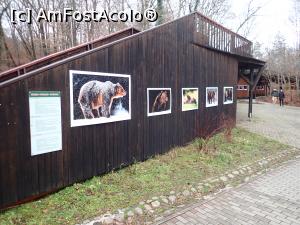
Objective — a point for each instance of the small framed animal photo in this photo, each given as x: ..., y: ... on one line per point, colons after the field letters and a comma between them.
x: 189, y: 99
x: 97, y: 98
x: 211, y: 96
x: 159, y: 101
x: 228, y: 95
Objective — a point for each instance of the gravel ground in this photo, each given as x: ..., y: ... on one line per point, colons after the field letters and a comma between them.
x: 273, y: 121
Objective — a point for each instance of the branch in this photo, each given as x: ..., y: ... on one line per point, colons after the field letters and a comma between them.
x: 251, y: 12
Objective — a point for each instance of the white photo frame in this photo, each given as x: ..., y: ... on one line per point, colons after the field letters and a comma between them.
x: 115, y: 113
x: 188, y: 102
x: 152, y: 97
x: 211, y: 97
x: 227, y: 95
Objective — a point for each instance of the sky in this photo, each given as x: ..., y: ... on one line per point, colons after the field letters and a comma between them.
x: 273, y: 17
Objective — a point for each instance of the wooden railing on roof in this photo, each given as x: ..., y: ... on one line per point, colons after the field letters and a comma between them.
x: 210, y: 34
x: 36, y: 64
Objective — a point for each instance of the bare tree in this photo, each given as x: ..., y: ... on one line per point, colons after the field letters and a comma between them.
x: 160, y: 11
x: 214, y: 9
x: 295, y: 19
x: 3, y: 43
x: 247, y: 19
x: 282, y: 65
x: 257, y: 51
x: 217, y: 10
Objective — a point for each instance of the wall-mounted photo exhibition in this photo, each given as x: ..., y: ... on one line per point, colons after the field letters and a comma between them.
x: 159, y: 101
x: 211, y: 96
x: 189, y: 98
x: 228, y: 95
x: 97, y: 98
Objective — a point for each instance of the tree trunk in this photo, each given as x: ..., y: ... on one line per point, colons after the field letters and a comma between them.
x: 290, y: 88
x: 160, y: 11
x: 43, y: 39
x: 7, y: 50
x: 73, y: 26
x: 33, y: 52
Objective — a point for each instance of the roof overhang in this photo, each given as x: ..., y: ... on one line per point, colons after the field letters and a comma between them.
x: 249, y: 62
x: 244, y: 61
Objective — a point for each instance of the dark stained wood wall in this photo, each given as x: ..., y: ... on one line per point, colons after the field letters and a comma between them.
x: 162, y: 57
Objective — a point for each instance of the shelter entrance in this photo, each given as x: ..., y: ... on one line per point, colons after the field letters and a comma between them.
x: 250, y: 70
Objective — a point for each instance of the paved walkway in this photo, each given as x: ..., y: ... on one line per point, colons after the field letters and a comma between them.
x: 280, y: 123
x: 273, y: 198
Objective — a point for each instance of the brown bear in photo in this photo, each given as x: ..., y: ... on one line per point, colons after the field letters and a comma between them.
x: 190, y: 100
x: 160, y: 103
x: 95, y: 94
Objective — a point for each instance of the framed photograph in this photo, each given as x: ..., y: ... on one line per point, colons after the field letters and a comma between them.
x: 190, y: 98
x: 159, y: 101
x: 97, y: 98
x: 228, y: 95
x: 211, y: 96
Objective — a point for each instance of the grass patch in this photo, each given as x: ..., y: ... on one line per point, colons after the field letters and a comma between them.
x: 157, y: 176
x: 190, y: 106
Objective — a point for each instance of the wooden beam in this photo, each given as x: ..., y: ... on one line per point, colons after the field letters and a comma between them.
x: 251, y: 93
x: 257, y: 77
x: 244, y: 77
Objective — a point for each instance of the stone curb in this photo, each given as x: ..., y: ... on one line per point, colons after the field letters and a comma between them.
x: 243, y: 174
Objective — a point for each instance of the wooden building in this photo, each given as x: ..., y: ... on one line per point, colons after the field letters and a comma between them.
x: 192, y: 51
x: 242, y: 90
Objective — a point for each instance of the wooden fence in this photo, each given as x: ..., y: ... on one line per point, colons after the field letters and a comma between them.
x: 160, y: 57
x: 214, y: 35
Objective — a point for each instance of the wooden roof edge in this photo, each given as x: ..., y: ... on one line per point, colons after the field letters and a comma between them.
x: 241, y: 59
x: 52, y: 55
x: 251, y: 60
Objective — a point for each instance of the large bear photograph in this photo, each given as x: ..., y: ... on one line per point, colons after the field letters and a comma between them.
x: 159, y: 101
x: 97, y: 98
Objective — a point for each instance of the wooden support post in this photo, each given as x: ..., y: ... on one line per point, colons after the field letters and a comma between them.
x: 257, y: 77
x: 232, y: 43
x: 251, y: 93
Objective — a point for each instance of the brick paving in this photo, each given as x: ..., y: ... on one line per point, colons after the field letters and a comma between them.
x: 273, y: 121
x: 273, y: 198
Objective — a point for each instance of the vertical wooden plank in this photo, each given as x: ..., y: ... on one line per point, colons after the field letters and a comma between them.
x: 162, y: 57
x: 8, y: 184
